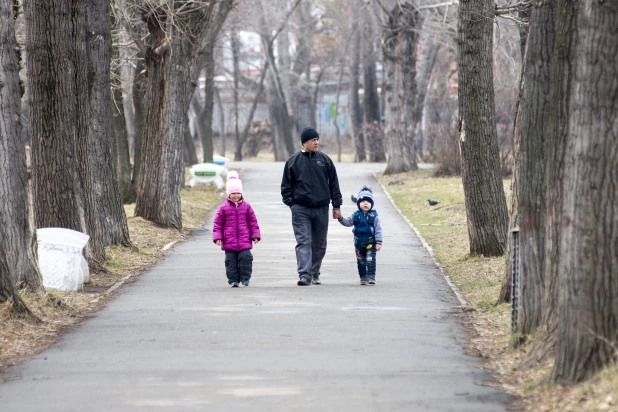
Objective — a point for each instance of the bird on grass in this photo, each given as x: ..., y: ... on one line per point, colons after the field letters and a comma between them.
x: 432, y: 202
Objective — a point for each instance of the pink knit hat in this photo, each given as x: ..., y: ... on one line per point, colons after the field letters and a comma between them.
x: 233, y: 184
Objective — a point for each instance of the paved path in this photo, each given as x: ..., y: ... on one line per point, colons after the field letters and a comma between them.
x: 179, y: 339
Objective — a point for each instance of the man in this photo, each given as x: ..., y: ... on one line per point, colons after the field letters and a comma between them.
x: 308, y: 185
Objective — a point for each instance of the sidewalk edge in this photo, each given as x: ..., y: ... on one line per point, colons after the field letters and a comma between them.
x: 426, y: 245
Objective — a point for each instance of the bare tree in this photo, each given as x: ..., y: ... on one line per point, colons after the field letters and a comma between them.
x: 480, y: 158
x: 356, y: 114
x: 373, y: 130
x: 18, y: 264
x: 399, y: 43
x: 176, y: 32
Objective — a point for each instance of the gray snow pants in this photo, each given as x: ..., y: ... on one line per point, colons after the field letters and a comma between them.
x: 310, y: 229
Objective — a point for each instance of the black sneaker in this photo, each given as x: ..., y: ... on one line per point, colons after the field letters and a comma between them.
x: 371, y: 281
x: 234, y: 284
x: 245, y: 283
x: 316, y: 280
x: 303, y: 282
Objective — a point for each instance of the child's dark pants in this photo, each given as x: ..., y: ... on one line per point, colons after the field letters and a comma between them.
x: 238, y: 265
x: 366, y: 260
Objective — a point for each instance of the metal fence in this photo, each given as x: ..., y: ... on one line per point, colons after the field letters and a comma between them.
x: 515, y: 290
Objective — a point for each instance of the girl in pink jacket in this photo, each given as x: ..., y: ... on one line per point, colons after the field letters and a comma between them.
x: 234, y: 229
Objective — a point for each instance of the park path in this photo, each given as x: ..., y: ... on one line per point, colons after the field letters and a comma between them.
x: 179, y: 339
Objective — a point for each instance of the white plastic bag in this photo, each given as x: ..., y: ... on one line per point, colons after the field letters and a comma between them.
x: 62, y: 264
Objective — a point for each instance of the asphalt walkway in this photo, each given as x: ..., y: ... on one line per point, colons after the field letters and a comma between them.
x: 180, y: 339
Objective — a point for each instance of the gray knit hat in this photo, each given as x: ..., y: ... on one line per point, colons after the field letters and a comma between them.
x: 364, y: 194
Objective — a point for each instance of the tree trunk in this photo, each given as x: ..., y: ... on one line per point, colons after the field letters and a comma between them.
x: 205, y: 117
x: 55, y: 122
x: 127, y: 191
x: 335, y: 120
x: 17, y: 241
x: 531, y: 166
x: 221, y: 121
x: 356, y: 115
x: 189, y: 144
x: 373, y: 131
x: 587, y: 283
x: 119, y: 120
x: 169, y: 81
x: 429, y: 54
x: 105, y: 216
x: 486, y: 209
x: 139, y: 98
x: 236, y: 72
x: 399, y: 49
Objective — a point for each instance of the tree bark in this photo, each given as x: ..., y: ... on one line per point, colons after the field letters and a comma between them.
x: 236, y: 73
x: 486, y: 209
x: 205, y: 117
x: 356, y: 114
x: 587, y: 283
x: 531, y: 166
x: 17, y: 241
x: 429, y: 55
x: 105, y: 217
x: 139, y: 98
x: 221, y: 121
x: 56, y: 124
x: 170, y: 69
x: 399, y: 49
x: 373, y: 131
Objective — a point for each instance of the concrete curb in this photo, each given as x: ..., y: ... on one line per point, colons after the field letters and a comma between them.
x: 426, y: 245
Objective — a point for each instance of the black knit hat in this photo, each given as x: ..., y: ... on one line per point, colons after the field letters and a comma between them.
x: 307, y: 134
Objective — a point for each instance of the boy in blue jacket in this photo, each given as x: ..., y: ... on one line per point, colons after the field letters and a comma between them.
x: 367, y: 235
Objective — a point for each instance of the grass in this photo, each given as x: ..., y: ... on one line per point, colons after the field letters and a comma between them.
x: 479, y: 279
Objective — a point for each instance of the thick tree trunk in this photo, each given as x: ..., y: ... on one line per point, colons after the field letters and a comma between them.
x: 486, y: 209
x: 169, y: 80
x: 399, y: 49
x: 356, y: 114
x: 105, y: 216
x: 587, y: 283
x: 55, y: 122
x: 373, y: 131
x: 531, y: 166
x: 189, y: 145
x: 17, y: 240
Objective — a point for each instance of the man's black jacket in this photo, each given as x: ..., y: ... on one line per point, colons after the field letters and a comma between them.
x: 310, y: 180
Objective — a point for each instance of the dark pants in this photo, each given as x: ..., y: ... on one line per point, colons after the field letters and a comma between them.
x: 366, y: 260
x: 310, y: 229
x: 238, y: 265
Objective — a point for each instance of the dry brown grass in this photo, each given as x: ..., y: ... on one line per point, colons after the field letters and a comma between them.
x: 479, y: 279
x: 22, y: 337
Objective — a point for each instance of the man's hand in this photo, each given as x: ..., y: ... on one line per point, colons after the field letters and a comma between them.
x: 378, y: 246
x: 336, y: 214
x: 218, y: 242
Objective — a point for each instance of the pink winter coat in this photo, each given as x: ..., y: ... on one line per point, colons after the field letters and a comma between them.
x: 236, y: 225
